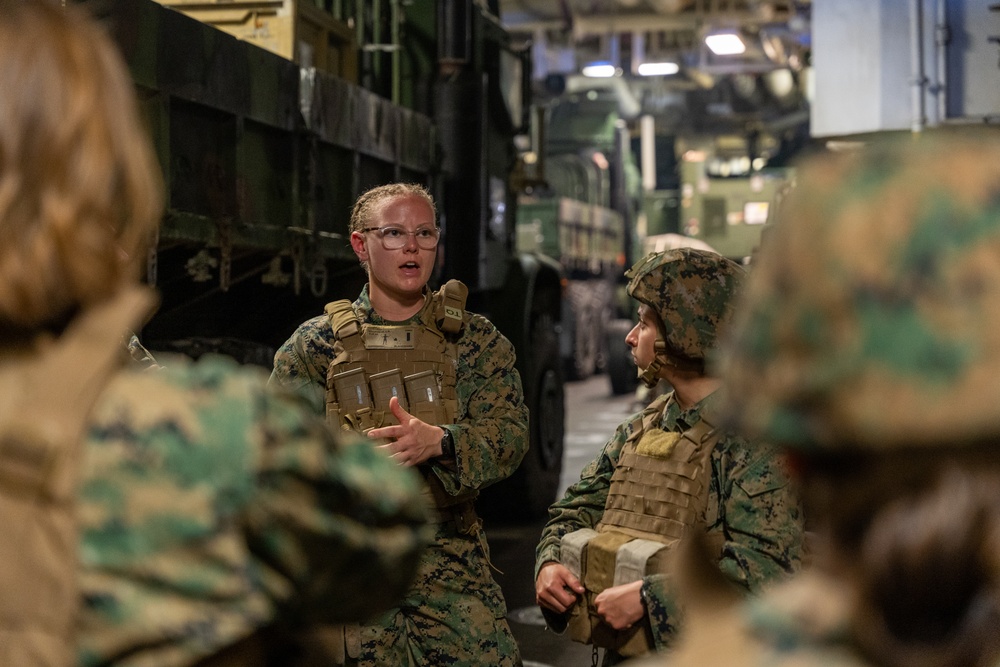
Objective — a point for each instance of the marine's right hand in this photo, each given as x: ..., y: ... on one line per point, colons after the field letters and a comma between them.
x: 556, y: 588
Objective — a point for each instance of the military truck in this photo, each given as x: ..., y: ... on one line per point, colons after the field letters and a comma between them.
x: 582, y: 213
x: 726, y: 200
x: 264, y: 151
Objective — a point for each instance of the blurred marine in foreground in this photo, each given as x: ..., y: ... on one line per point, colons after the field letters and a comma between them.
x: 869, y: 345
x: 169, y: 518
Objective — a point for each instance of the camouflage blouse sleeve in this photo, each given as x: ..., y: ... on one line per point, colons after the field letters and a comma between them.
x: 583, y: 503
x: 300, y: 364
x: 491, y: 433
x: 332, y: 520
x: 210, y: 506
x: 756, y: 516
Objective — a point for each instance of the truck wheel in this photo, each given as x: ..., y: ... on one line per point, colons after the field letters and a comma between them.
x: 527, y: 494
x: 584, y: 314
x: 621, y: 368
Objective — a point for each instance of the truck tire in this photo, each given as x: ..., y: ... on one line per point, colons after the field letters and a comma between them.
x: 621, y: 368
x: 527, y: 494
x: 583, y: 304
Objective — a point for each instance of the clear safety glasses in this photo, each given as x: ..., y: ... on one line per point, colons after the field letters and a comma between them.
x: 395, y: 238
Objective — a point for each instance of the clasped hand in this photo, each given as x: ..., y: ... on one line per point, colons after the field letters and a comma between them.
x: 412, y: 441
x: 556, y: 588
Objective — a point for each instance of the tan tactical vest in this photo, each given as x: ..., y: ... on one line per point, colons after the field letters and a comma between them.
x: 416, y: 363
x: 659, y: 489
x: 46, y: 395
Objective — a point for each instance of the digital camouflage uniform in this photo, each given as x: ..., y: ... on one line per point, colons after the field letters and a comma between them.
x: 872, y: 323
x: 210, y: 507
x: 455, y: 612
x: 751, y: 510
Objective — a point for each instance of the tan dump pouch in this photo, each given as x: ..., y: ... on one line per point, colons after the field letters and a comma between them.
x: 596, y: 556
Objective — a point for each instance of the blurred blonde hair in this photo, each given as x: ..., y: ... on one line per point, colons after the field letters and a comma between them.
x: 80, y: 190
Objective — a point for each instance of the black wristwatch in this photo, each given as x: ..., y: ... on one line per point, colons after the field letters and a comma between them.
x: 447, y: 445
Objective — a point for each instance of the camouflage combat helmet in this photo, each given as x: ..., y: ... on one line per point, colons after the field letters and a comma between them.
x: 692, y: 292
x: 872, y: 319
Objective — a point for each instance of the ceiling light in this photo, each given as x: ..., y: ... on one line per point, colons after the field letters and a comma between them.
x: 599, y: 70
x: 658, y: 69
x: 725, y: 44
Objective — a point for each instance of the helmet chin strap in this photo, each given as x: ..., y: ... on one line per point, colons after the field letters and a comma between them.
x: 650, y: 375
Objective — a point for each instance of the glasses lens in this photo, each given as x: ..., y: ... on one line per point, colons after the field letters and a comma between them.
x: 426, y: 238
x: 394, y: 238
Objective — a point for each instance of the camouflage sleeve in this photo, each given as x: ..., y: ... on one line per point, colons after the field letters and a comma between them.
x: 761, y: 517
x: 210, y: 506
x: 300, y: 364
x: 491, y: 434
x: 583, y: 503
x: 332, y: 519
x: 760, y: 526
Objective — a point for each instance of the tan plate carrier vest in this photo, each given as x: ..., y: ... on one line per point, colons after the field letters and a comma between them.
x: 659, y: 489
x: 46, y: 396
x: 416, y: 363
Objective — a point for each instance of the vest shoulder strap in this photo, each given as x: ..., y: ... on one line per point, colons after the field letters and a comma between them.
x: 648, y: 418
x: 704, y: 433
x: 343, y: 320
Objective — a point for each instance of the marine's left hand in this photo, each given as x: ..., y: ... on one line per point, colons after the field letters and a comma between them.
x: 413, y: 441
x: 620, y: 606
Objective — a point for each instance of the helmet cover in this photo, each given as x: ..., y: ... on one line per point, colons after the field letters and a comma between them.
x: 872, y: 318
x: 692, y: 291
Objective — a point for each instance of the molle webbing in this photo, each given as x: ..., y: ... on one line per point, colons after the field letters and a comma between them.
x: 428, y: 351
x: 659, y: 498
x: 414, y: 362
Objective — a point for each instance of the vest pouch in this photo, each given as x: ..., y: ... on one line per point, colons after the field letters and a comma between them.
x: 425, y: 398
x: 580, y: 622
x: 631, y: 642
x: 430, y: 413
x: 585, y: 626
x: 639, y: 557
x: 351, y: 388
x: 594, y: 558
x: 385, y: 386
x: 573, y: 556
x: 333, y: 415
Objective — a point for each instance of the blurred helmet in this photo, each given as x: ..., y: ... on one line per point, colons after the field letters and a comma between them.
x: 691, y: 290
x: 872, y: 318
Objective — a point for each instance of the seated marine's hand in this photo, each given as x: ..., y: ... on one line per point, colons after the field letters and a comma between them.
x: 556, y: 588
x: 620, y: 606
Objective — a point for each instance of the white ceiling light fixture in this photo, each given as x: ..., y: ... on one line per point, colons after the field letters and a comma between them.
x: 599, y: 70
x: 725, y: 44
x: 658, y: 69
